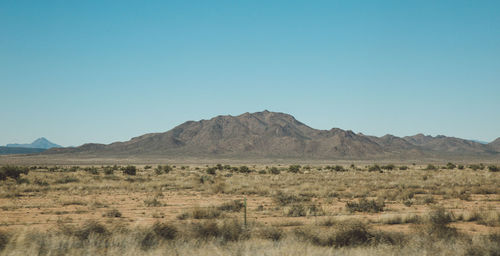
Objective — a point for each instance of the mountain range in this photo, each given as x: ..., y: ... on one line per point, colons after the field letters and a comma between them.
x: 278, y: 135
x: 42, y: 143
x: 37, y: 146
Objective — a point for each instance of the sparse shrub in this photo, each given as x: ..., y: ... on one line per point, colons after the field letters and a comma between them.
x: 493, y: 168
x: 430, y: 167
x: 153, y: 202
x: 476, y: 167
x: 13, y: 172
x: 147, y: 167
x: 460, y: 167
x: 227, y: 231
x: 244, y: 169
x: 204, y: 179
x: 233, y: 206
x: 388, y: 167
x: 296, y: 210
x: 262, y: 172
x: 408, y: 202
x: 88, y: 228
x: 294, y: 168
x: 286, y: 199
x: 232, y: 231
x: 438, y: 221
x: 403, y: 168
x: 163, y: 169
x: 130, y: 170
x: 339, y: 168
x: 4, y: 240
x: 205, y: 213
x: 428, y: 199
x: 165, y: 231
x: 274, y: 170
x: 108, y: 170
x: 211, y: 171
x: 41, y: 182
x: 66, y: 179
x: 450, y: 166
x: 364, y: 205
x: 206, y: 230
x: 374, y: 168
x: 113, y: 213
x: 219, y: 167
x: 271, y: 233
x: 92, y: 170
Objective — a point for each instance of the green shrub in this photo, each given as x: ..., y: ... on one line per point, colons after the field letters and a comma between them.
x: 244, y: 169
x: 130, y: 170
x: 163, y: 169
x: 294, y: 168
x: 211, y: 171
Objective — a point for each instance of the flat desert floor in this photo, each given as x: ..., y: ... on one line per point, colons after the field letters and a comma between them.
x: 250, y: 209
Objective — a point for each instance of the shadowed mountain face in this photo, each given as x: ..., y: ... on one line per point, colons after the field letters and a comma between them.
x: 15, y: 151
x: 270, y: 134
x: 495, y: 145
x: 38, y: 143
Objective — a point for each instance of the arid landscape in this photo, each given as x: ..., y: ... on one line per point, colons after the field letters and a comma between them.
x: 248, y: 128
x: 450, y: 209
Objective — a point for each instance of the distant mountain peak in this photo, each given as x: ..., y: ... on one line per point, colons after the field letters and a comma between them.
x: 41, y: 142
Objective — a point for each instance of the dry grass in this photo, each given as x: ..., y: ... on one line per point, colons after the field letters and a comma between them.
x: 318, y: 210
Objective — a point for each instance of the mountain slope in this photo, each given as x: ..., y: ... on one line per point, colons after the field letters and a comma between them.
x: 270, y: 134
x: 495, y: 145
x: 38, y: 143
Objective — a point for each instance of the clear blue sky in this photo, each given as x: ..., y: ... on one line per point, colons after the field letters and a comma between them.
x: 104, y: 71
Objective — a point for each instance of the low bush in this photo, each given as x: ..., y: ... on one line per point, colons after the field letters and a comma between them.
x: 374, y: 168
x: 285, y: 199
x: 130, y: 170
x: 13, y: 172
x: 4, y: 240
x: 364, y: 205
x: 274, y: 170
x: 272, y: 233
x: 430, y: 167
x: 294, y: 168
x: 388, y: 167
x: 493, y: 168
x: 205, y: 213
x: 113, y: 213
